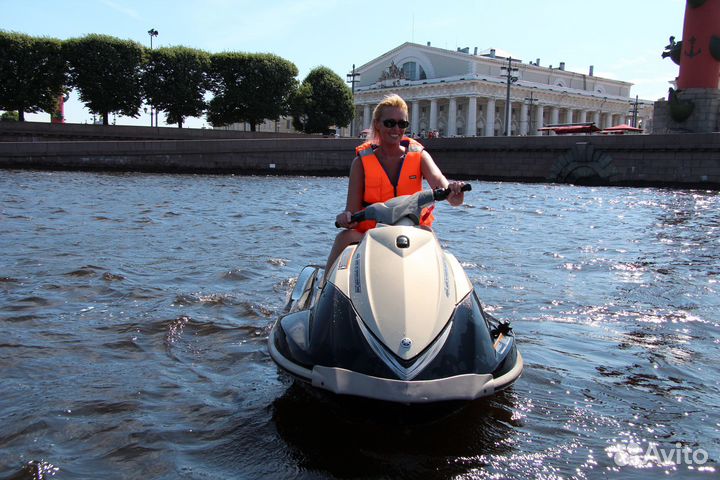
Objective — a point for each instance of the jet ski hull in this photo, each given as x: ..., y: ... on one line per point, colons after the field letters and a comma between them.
x: 342, y: 381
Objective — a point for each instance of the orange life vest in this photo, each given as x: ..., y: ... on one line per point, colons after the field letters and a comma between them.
x: 379, y: 188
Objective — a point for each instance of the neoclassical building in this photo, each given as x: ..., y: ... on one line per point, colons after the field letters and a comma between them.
x: 459, y: 93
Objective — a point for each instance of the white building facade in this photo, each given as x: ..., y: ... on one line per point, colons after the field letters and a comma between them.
x: 458, y: 93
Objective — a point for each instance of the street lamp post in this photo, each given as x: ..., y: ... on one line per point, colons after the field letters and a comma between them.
x: 531, y: 102
x: 601, y: 126
x: 635, y: 107
x: 352, y: 79
x: 153, y: 33
x: 508, y: 107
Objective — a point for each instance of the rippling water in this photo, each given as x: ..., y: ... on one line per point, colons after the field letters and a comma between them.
x: 135, y: 311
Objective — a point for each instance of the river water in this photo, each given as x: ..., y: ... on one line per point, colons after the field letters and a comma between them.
x: 135, y: 311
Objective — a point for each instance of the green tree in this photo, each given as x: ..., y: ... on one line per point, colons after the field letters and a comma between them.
x: 107, y: 73
x: 322, y: 100
x: 33, y: 73
x: 175, y: 80
x: 250, y: 88
x: 9, y: 117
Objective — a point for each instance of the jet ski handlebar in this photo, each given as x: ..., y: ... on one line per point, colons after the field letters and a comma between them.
x: 438, y: 194
x: 443, y: 193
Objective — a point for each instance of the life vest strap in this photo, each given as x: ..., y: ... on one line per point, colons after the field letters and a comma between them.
x: 426, y: 214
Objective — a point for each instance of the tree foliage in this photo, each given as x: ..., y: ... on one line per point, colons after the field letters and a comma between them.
x: 323, y: 100
x: 107, y: 73
x: 175, y: 80
x: 9, y: 117
x: 250, y: 88
x: 33, y: 73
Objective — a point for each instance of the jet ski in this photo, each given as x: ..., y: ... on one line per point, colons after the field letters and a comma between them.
x: 396, y: 320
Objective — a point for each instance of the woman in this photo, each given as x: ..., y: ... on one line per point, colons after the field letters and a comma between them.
x: 388, y: 165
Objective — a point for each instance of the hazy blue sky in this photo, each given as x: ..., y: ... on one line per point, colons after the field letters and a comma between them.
x: 623, y: 39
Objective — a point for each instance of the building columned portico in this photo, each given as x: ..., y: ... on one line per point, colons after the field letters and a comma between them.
x: 456, y: 93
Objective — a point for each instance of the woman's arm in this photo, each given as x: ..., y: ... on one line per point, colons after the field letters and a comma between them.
x: 356, y: 189
x: 356, y: 186
x: 436, y: 179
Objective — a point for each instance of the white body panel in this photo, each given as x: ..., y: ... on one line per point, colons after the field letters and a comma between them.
x: 409, y: 294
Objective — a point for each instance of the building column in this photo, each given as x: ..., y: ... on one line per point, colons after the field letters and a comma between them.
x: 452, y: 118
x: 554, y: 117
x: 583, y: 116
x: 415, y: 117
x: 608, y: 120
x: 490, y: 118
x: 596, y: 119
x: 569, y: 115
x: 539, y: 119
x: 523, y: 118
x: 366, y: 116
x: 471, y: 125
x: 508, y: 119
x: 432, y: 121
x: 432, y: 125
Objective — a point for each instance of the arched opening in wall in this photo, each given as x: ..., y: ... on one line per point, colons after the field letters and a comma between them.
x: 560, y: 83
x: 413, y: 71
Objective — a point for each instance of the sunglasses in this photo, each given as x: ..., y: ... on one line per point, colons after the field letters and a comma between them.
x: 391, y: 122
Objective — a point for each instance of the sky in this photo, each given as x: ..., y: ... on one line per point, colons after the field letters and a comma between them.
x: 622, y: 39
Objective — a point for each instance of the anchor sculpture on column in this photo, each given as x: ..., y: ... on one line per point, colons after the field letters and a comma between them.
x: 697, y: 54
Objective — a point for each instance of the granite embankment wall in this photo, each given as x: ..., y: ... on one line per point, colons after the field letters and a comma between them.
x: 680, y: 160
x: 41, y: 132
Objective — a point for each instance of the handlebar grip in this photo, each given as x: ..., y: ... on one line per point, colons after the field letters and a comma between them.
x: 355, y: 217
x: 443, y: 193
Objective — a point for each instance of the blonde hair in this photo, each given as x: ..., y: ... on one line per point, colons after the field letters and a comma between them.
x: 390, y: 101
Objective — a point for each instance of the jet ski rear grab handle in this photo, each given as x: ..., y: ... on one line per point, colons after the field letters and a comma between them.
x: 438, y: 194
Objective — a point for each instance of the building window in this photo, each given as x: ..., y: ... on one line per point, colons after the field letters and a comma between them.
x: 409, y: 71
x: 413, y: 71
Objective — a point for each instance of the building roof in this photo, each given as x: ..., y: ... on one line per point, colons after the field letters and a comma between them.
x: 488, y: 52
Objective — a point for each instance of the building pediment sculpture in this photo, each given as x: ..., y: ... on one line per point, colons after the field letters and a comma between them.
x: 392, y: 73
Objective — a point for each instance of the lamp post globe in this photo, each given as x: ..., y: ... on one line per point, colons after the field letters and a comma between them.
x: 153, y: 33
